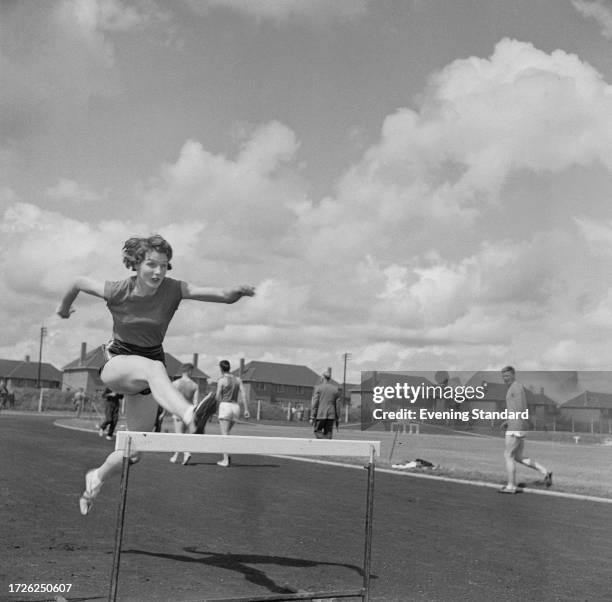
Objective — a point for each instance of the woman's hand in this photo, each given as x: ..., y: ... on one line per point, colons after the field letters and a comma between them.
x: 63, y: 312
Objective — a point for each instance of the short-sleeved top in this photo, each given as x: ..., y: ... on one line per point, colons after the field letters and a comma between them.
x: 516, y: 401
x: 230, y: 388
x: 142, y: 320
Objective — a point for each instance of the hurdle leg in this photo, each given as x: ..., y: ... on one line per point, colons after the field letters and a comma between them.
x: 112, y: 594
x: 367, y: 554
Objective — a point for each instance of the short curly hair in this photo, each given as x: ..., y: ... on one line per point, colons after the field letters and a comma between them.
x: 135, y: 249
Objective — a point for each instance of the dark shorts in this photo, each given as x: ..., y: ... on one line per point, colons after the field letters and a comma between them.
x: 115, y: 347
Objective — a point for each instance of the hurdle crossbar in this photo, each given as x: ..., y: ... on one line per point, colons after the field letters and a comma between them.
x: 129, y: 442
x: 236, y: 444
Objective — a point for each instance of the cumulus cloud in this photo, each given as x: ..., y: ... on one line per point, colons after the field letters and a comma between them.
x: 598, y: 10
x: 420, y: 208
x: 244, y: 202
x: 435, y: 249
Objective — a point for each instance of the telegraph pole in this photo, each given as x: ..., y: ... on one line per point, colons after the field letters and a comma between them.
x: 43, y: 332
x: 345, y: 357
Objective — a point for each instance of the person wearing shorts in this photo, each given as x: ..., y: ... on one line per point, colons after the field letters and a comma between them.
x: 230, y: 394
x: 516, y: 431
x: 188, y: 388
x: 142, y: 307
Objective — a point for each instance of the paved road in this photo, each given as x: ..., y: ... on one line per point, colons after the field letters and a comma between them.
x: 274, y: 525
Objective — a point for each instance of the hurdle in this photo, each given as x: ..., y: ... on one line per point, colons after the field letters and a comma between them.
x: 129, y: 442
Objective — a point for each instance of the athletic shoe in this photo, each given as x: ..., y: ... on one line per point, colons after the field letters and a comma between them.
x: 224, y: 463
x: 199, y: 407
x: 92, y: 488
x: 174, y: 458
x: 100, y: 431
x: 204, y: 410
x: 109, y: 437
x: 548, y: 479
x: 506, y: 489
x: 186, y: 459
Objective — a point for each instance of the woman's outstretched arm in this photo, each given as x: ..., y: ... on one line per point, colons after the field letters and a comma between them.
x: 216, y: 295
x: 84, y: 284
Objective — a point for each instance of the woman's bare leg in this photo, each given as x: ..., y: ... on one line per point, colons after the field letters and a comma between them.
x: 140, y: 413
x: 131, y: 374
x: 225, y: 425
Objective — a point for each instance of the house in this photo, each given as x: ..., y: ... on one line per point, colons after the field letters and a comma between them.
x: 589, y: 411
x: 24, y: 373
x: 288, y: 385
x: 84, y: 371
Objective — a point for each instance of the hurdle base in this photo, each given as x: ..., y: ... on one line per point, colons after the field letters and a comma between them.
x: 358, y: 593
x: 127, y: 441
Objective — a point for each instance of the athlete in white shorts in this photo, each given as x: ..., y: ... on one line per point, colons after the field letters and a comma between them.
x: 516, y: 402
x: 230, y: 394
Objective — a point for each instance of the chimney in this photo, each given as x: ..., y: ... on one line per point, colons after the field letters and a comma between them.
x: 27, y: 358
x: 194, y: 361
x: 241, y: 372
x: 83, y: 352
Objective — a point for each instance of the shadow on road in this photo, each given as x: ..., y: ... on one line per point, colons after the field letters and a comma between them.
x: 241, y: 564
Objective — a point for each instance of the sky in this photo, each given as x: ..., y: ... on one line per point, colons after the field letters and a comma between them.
x: 423, y: 184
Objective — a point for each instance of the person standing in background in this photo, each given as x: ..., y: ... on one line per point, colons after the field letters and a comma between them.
x: 325, y: 408
x: 111, y: 411
x: 189, y: 389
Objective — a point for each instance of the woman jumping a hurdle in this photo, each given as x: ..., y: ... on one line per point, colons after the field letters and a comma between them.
x: 142, y: 307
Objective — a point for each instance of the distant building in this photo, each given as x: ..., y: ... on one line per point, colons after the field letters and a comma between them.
x: 588, y: 409
x: 285, y: 384
x: 24, y: 373
x: 84, y: 371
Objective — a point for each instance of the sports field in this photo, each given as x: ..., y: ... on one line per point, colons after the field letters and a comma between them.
x: 275, y: 525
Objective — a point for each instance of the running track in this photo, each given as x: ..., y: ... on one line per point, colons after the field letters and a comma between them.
x: 275, y: 525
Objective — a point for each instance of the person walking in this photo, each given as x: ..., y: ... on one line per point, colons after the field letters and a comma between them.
x: 229, y: 395
x: 516, y: 431
x: 325, y: 407
x: 111, y: 413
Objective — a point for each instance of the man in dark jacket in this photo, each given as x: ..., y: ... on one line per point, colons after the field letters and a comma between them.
x: 113, y: 403
x: 325, y: 409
